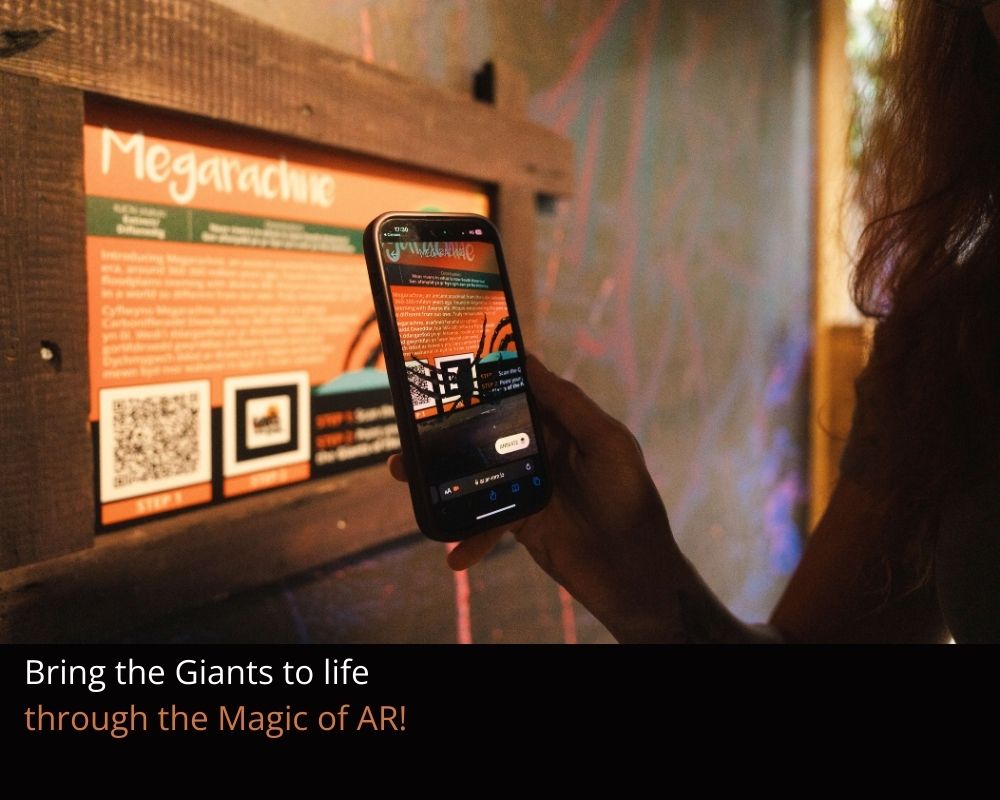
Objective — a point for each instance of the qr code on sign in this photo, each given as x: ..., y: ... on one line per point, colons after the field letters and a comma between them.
x: 154, y: 438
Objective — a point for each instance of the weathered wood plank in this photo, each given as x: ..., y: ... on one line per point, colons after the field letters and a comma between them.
x: 135, y: 576
x: 515, y: 217
x: 849, y: 346
x: 197, y: 57
x: 515, y: 202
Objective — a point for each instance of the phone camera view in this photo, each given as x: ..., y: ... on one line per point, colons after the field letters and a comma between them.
x: 464, y: 372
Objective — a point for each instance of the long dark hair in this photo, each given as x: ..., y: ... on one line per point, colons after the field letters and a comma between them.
x: 929, y: 271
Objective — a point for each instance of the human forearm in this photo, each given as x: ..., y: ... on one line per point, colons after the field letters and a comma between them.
x: 686, y: 611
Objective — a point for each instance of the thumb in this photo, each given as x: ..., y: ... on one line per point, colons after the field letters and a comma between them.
x: 470, y: 552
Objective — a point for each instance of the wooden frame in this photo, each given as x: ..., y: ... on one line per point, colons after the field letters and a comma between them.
x: 197, y: 58
x: 840, y: 348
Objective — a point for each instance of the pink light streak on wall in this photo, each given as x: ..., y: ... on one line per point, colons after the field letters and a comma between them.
x: 595, y: 127
x: 367, y: 48
x: 626, y: 266
x: 568, y: 616
x: 463, y: 615
x: 588, y: 42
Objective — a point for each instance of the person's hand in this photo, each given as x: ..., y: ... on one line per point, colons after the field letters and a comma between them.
x: 604, y: 535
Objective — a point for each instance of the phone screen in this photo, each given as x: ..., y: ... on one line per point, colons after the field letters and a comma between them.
x: 464, y: 370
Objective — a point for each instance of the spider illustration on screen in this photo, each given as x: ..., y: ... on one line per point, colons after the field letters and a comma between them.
x: 457, y: 383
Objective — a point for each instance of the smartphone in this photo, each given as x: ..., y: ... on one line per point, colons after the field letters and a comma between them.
x: 455, y: 357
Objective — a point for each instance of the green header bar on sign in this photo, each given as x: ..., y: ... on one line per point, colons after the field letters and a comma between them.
x: 129, y: 219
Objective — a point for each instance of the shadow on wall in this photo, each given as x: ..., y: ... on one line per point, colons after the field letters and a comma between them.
x: 675, y: 287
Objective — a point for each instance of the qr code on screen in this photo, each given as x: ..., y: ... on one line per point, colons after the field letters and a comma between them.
x: 421, y: 386
x: 457, y: 375
x: 154, y: 438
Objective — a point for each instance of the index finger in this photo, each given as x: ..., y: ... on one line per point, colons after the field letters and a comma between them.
x: 396, y: 467
x: 471, y: 551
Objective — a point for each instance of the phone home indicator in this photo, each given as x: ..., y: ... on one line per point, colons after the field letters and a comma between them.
x: 497, y: 511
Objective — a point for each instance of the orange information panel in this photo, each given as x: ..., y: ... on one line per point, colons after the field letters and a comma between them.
x: 233, y: 344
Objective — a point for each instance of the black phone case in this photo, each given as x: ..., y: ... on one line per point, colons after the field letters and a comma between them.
x: 399, y: 384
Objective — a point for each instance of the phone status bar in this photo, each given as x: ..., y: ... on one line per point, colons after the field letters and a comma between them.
x: 440, y: 235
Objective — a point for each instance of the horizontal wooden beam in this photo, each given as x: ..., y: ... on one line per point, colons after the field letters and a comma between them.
x: 132, y: 577
x: 200, y: 58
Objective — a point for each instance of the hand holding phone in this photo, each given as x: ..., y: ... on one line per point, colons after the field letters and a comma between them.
x: 604, y: 535
x: 455, y: 357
